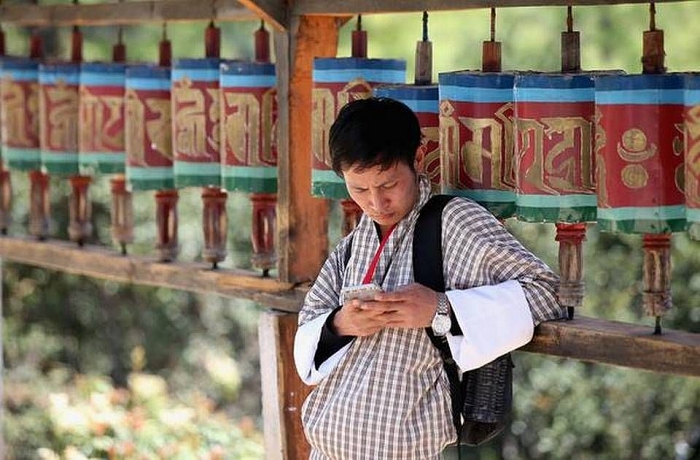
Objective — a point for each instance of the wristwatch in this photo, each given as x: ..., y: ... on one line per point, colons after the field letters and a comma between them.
x: 441, y: 321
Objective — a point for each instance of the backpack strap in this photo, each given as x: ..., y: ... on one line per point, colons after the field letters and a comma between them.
x: 428, y: 271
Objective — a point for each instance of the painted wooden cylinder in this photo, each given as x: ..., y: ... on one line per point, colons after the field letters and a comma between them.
x: 148, y: 128
x: 337, y: 81
x: 554, y: 136
x: 195, y: 122
x: 249, y: 126
x: 424, y: 101
x: 19, y: 113
x: 476, y: 138
x: 101, y: 126
x: 692, y: 154
x: 639, y: 145
x: 58, y: 117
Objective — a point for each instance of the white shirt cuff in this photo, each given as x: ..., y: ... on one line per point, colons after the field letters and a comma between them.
x: 494, y: 320
x: 305, y: 346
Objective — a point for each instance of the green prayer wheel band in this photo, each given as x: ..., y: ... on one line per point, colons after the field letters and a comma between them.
x: 189, y: 174
x: 569, y: 209
x: 64, y: 163
x: 663, y: 219
x: 250, y: 179
x: 22, y: 159
x: 112, y: 163
x: 500, y: 203
x: 152, y: 178
x: 327, y: 184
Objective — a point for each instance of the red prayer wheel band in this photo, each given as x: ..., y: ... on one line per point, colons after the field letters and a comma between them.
x: 640, y: 153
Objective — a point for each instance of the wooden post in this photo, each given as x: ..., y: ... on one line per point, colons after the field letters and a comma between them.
x: 283, y: 393
x: 302, y: 219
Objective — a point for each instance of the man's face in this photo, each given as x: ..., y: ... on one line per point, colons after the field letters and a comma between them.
x: 385, y: 195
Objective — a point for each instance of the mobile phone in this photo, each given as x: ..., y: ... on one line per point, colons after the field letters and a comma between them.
x: 360, y: 291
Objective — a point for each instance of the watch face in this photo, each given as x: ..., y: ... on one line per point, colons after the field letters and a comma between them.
x: 441, y: 324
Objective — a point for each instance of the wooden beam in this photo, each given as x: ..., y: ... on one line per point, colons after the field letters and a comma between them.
x: 302, y: 220
x: 338, y: 8
x: 586, y: 339
x: 274, y: 12
x: 101, y: 262
x: 124, y: 13
x: 283, y: 391
x: 620, y: 344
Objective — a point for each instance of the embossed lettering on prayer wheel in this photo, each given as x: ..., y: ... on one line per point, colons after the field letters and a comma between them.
x: 639, y: 149
x: 476, y: 138
x: 149, y: 150
x: 337, y: 81
x: 249, y: 126
x: 19, y: 89
x: 554, y: 135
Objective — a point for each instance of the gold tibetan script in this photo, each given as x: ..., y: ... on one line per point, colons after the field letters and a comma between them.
x: 555, y: 170
x: 692, y: 155
x: 59, y: 116
x: 21, y: 113
x: 135, y: 121
x: 323, y: 115
x: 191, y: 119
x: 242, y: 127
x: 100, y: 116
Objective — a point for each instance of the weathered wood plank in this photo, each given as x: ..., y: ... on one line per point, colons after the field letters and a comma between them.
x: 620, y: 344
x: 302, y: 219
x: 125, y: 13
x: 274, y: 12
x: 586, y: 339
x: 337, y: 8
x: 272, y: 386
x: 101, y: 262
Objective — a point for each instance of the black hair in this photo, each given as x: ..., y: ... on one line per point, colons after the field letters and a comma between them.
x: 371, y: 132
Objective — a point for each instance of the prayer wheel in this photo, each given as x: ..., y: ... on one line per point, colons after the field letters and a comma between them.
x: 249, y: 146
x: 554, y: 120
x: 20, y: 113
x: 476, y: 138
x: 101, y: 125
x: 195, y: 122
x: 337, y: 81
x: 640, y: 168
x: 640, y: 164
x: 149, y: 154
x: 692, y: 154
x: 58, y: 115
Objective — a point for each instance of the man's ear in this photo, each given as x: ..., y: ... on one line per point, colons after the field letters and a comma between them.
x: 418, y: 164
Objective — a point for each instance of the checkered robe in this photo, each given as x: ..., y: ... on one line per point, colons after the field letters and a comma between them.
x: 386, y: 396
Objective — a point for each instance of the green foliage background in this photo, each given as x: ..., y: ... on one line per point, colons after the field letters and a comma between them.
x: 59, y: 327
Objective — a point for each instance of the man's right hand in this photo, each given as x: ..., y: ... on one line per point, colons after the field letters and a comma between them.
x: 360, y: 318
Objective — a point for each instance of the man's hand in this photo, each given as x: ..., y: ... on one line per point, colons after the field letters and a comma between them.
x: 362, y: 318
x: 410, y: 306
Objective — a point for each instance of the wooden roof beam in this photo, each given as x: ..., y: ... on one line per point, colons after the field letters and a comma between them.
x: 126, y: 13
x: 340, y: 8
x: 274, y: 12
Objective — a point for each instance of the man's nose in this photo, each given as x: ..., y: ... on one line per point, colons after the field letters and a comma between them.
x: 377, y: 200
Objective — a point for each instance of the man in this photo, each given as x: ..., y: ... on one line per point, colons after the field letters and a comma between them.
x: 381, y: 389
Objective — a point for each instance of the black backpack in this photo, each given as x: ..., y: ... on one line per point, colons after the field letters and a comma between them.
x: 482, y: 398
